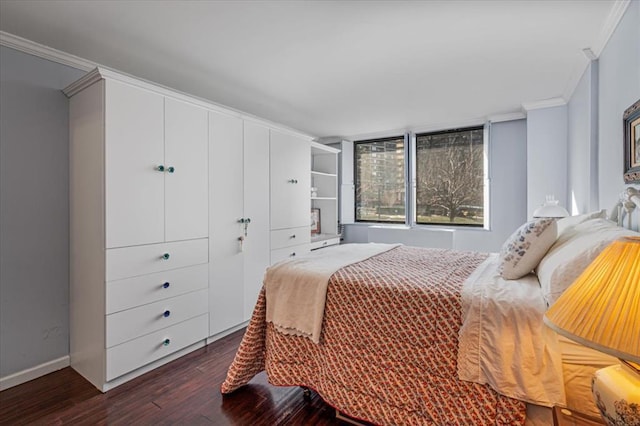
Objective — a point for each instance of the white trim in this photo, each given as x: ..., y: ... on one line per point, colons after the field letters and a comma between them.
x: 45, y: 52
x: 418, y: 129
x: 499, y: 118
x: 610, y: 25
x: 324, y: 148
x: 107, y: 73
x: 545, y: 103
x: 227, y: 332
x: 593, y: 53
x: 33, y: 373
x: 100, y: 71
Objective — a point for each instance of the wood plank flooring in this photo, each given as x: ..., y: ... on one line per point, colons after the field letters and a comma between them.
x: 183, y: 392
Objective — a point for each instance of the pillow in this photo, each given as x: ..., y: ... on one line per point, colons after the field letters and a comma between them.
x: 566, y: 223
x: 523, y: 250
x: 572, y: 253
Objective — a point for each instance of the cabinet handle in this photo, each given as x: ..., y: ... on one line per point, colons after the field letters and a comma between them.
x: 171, y: 169
x: 293, y: 236
x: 293, y: 181
x: 166, y: 313
x: 165, y: 256
x: 293, y: 254
x: 166, y: 342
x: 166, y: 285
x: 160, y: 168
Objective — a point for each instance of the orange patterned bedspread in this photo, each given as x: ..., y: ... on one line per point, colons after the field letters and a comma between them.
x: 388, y: 347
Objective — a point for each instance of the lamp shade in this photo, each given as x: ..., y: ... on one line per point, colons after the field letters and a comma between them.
x: 601, y: 309
x: 550, y: 208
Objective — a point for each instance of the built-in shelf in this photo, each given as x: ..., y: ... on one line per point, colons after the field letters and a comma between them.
x: 315, y: 173
x: 324, y: 178
x: 324, y: 240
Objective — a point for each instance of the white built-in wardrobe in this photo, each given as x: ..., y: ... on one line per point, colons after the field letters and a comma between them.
x: 177, y: 207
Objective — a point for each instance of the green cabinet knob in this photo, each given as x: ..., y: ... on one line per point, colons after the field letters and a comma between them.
x: 166, y: 342
x: 165, y: 256
x: 161, y: 168
x: 171, y: 169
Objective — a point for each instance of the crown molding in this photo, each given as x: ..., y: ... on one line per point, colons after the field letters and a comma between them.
x: 98, y: 72
x: 593, y: 53
x: 610, y: 25
x: 36, y: 49
x: 545, y: 103
x: 498, y: 118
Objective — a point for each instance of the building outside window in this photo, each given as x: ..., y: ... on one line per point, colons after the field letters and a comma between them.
x: 380, y: 180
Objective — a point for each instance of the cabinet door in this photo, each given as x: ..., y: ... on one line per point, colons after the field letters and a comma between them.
x: 256, y: 207
x: 134, y: 148
x: 290, y: 181
x: 186, y: 160
x: 226, y: 282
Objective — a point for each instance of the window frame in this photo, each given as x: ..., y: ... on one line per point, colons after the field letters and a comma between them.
x: 485, y: 180
x: 410, y: 148
x: 356, y: 175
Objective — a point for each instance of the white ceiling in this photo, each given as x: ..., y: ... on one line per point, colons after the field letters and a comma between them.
x: 332, y: 68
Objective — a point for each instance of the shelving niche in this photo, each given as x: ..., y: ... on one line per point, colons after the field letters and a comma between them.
x: 324, y: 178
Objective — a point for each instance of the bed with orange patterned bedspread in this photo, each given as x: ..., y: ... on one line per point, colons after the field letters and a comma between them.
x: 388, y: 347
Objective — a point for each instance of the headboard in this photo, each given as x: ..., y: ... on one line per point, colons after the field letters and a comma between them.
x: 628, y: 202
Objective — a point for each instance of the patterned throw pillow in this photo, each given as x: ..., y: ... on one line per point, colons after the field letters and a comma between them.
x: 524, y: 249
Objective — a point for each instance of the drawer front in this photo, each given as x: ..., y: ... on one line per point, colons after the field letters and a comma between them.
x: 132, y: 323
x: 289, y: 252
x: 131, y: 292
x: 325, y: 243
x: 290, y: 237
x: 128, y: 356
x: 129, y: 262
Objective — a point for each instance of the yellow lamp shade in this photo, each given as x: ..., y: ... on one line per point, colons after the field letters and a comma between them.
x: 601, y: 309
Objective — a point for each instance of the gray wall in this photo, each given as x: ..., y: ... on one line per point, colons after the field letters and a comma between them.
x: 34, y: 212
x: 609, y: 86
x: 619, y: 87
x: 546, y: 156
x: 508, y: 208
x: 582, y: 169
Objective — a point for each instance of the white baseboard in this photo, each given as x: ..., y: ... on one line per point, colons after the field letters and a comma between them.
x: 220, y: 335
x: 24, y: 376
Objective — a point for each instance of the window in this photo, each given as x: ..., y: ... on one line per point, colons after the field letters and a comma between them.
x: 450, y: 177
x: 380, y: 180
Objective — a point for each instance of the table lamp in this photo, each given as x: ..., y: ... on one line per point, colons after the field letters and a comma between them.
x: 550, y: 208
x: 601, y: 310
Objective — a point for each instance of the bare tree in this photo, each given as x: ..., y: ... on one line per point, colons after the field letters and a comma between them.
x: 449, y: 174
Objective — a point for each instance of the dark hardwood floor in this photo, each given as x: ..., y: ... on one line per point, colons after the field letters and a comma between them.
x: 185, y: 391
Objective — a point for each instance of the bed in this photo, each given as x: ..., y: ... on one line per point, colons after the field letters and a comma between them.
x: 408, y: 335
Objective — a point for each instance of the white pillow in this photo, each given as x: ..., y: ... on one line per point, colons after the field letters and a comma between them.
x: 569, y: 222
x: 523, y: 250
x: 572, y: 253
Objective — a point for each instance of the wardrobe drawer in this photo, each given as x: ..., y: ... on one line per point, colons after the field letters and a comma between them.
x: 289, y: 252
x: 129, y: 324
x: 129, y: 262
x: 290, y: 237
x: 128, y: 356
x: 131, y: 292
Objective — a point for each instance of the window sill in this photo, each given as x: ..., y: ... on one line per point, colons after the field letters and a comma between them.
x: 419, y: 227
